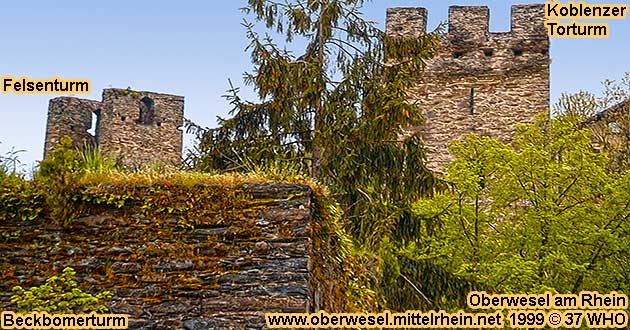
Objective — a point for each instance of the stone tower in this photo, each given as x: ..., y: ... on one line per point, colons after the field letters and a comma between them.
x: 480, y: 81
x: 69, y: 116
x: 138, y: 128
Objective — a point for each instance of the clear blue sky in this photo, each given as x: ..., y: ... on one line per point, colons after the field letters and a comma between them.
x: 192, y: 47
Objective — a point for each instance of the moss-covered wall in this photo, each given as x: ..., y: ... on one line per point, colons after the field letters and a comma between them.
x: 198, y: 255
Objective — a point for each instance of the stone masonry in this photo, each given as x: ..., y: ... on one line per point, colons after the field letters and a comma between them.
x: 137, y: 128
x: 480, y: 81
x: 235, y: 265
x: 69, y: 116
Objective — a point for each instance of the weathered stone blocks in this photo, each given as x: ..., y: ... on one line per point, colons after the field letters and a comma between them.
x: 221, y: 275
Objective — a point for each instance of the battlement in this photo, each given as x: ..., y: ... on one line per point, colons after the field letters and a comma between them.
x: 469, y: 48
x: 406, y: 22
x: 529, y: 20
x: 468, y: 22
x: 137, y: 127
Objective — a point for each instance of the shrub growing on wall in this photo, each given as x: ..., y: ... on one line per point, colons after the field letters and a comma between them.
x: 59, y: 295
x: 20, y: 199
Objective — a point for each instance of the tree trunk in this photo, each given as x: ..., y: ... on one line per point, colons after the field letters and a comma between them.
x: 317, y: 150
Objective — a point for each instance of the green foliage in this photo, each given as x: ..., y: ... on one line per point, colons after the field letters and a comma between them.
x: 61, y: 172
x: 546, y: 216
x: 341, y: 92
x: 91, y: 160
x: 131, y: 92
x: 59, y: 295
x: 4, y: 170
x: 425, y: 285
x: 20, y: 199
x: 51, y: 191
x: 342, y: 275
x: 9, y: 163
x: 62, y: 161
x: 66, y: 160
x: 586, y: 104
x: 191, y: 198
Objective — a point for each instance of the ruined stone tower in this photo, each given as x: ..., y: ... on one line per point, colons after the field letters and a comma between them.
x: 137, y: 128
x: 480, y: 81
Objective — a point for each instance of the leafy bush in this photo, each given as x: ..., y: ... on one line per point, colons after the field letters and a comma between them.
x: 61, y: 162
x: 59, y: 295
x: 545, y: 216
x: 20, y: 199
x: 60, y: 173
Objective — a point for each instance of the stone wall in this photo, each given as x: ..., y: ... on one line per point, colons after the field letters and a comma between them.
x: 123, y: 133
x: 249, y: 256
x: 69, y: 116
x: 480, y: 81
x: 138, y: 128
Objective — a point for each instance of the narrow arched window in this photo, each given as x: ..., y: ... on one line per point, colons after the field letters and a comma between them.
x: 147, y: 114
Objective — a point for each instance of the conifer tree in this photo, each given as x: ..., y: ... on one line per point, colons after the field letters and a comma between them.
x: 338, y: 109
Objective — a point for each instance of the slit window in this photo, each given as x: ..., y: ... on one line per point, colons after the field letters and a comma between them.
x: 96, y: 118
x: 92, y: 129
x: 488, y: 52
x: 147, y: 113
x: 517, y: 52
x: 472, y: 101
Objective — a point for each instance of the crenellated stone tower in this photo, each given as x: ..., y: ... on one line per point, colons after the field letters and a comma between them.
x: 138, y: 128
x: 480, y: 81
